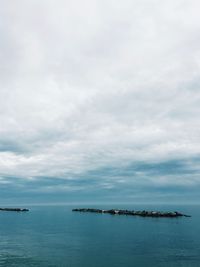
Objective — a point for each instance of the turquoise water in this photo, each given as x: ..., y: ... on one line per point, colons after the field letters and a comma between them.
x: 56, y: 236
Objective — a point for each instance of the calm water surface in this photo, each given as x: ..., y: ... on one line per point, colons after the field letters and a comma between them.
x: 56, y: 236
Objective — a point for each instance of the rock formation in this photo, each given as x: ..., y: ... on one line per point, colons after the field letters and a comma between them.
x: 13, y: 209
x: 142, y: 213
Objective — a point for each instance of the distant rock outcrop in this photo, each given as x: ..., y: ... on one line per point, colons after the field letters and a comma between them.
x: 142, y: 213
x: 13, y: 209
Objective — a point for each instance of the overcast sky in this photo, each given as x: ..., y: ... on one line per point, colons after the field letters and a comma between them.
x: 99, y: 101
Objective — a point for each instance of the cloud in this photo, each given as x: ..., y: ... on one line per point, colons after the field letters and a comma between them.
x: 89, y: 86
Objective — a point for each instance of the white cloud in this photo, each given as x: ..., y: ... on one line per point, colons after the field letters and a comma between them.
x: 90, y: 84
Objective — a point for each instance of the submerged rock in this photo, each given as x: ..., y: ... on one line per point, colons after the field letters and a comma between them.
x: 142, y: 213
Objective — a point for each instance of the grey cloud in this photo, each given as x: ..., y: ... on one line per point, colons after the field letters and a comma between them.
x: 86, y: 86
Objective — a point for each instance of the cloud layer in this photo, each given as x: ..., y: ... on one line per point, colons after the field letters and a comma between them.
x: 99, y: 98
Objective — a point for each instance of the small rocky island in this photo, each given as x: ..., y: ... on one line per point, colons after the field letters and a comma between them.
x: 142, y: 213
x: 13, y: 209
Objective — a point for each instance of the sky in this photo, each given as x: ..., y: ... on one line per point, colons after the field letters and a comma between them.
x: 99, y: 101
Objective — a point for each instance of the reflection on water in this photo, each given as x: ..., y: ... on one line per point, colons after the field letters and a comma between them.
x: 7, y: 259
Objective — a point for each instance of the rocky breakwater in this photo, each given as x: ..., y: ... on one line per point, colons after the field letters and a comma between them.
x: 142, y: 213
x: 13, y: 209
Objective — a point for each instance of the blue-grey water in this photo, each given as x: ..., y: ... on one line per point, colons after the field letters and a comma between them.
x: 56, y: 236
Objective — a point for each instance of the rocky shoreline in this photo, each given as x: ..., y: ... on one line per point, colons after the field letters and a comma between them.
x: 142, y: 213
x: 13, y: 209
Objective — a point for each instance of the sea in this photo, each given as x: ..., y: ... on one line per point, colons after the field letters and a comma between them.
x: 55, y: 236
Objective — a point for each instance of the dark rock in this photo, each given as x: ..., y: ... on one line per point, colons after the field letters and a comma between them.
x: 13, y: 209
x: 142, y: 213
